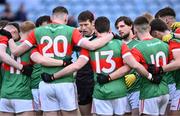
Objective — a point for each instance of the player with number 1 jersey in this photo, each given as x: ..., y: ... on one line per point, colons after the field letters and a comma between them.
x: 16, y: 87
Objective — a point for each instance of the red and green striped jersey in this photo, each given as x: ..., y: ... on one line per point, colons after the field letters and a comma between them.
x: 56, y: 41
x: 106, y: 60
x: 136, y: 85
x: 152, y: 51
x: 14, y: 84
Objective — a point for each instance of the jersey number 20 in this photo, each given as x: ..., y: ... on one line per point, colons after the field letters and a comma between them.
x: 54, y: 44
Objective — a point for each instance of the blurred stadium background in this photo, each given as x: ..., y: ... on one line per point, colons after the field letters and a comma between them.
x: 110, y: 8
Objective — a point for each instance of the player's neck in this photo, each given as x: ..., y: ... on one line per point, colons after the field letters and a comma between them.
x: 144, y: 36
x: 102, y: 34
x: 23, y: 36
x: 58, y: 22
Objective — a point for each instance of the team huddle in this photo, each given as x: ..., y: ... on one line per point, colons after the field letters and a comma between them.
x: 135, y: 72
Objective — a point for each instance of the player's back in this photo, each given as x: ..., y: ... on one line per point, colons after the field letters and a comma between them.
x: 15, y: 85
x: 106, y: 60
x: 153, y: 51
x: 56, y: 41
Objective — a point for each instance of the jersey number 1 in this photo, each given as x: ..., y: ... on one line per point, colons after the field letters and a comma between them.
x: 12, y: 69
x: 155, y: 58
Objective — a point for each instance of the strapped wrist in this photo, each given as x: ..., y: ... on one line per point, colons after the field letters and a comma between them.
x: 149, y: 76
x: 109, y: 78
x: 52, y: 77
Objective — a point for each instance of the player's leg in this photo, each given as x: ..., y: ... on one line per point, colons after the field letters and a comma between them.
x: 69, y: 113
x: 85, y: 90
x: 23, y: 107
x: 6, y: 114
x: 134, y: 102
x: 49, y: 102
x: 163, y: 104
x: 145, y: 107
x: 36, y: 102
x: 102, y: 107
x: 26, y: 114
x: 175, y: 104
x: 85, y: 110
x: 172, y: 90
x: 67, y: 96
x: 118, y: 108
x: 6, y: 108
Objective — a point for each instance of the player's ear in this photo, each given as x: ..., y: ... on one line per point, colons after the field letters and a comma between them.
x: 154, y: 33
x: 93, y: 23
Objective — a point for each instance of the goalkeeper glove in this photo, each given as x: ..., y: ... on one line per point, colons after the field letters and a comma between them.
x: 130, y: 79
x: 67, y: 61
x: 102, y: 78
x: 47, y: 77
x: 27, y: 70
x: 155, y: 70
x: 175, y: 25
x: 168, y: 37
x: 6, y: 33
x: 156, y: 79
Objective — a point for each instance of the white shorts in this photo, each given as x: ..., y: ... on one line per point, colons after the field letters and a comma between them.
x: 109, y: 107
x: 133, y: 101
x: 58, y: 96
x: 172, y: 90
x: 154, y: 106
x: 15, y: 105
x: 175, y: 103
x: 36, y: 99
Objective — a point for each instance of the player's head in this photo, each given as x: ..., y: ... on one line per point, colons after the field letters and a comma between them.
x: 13, y: 28
x: 26, y: 27
x: 158, y: 28
x: 3, y: 23
x: 124, y: 26
x: 43, y: 20
x: 141, y: 25
x: 102, y: 25
x: 60, y: 15
x: 148, y: 16
x: 168, y: 15
x: 86, y: 23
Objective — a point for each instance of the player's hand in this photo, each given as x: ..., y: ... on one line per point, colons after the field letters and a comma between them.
x: 47, y: 77
x: 6, y: 33
x: 156, y: 79
x: 27, y: 70
x: 175, y: 25
x: 168, y: 37
x: 130, y: 79
x: 67, y: 61
x: 155, y: 70
x: 102, y: 78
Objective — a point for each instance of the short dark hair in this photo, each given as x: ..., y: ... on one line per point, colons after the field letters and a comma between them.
x: 60, y: 9
x: 126, y: 20
x: 102, y: 24
x: 167, y: 11
x: 3, y: 23
x: 140, y: 20
x: 16, y: 25
x: 42, y: 19
x: 86, y: 15
x: 158, y: 25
